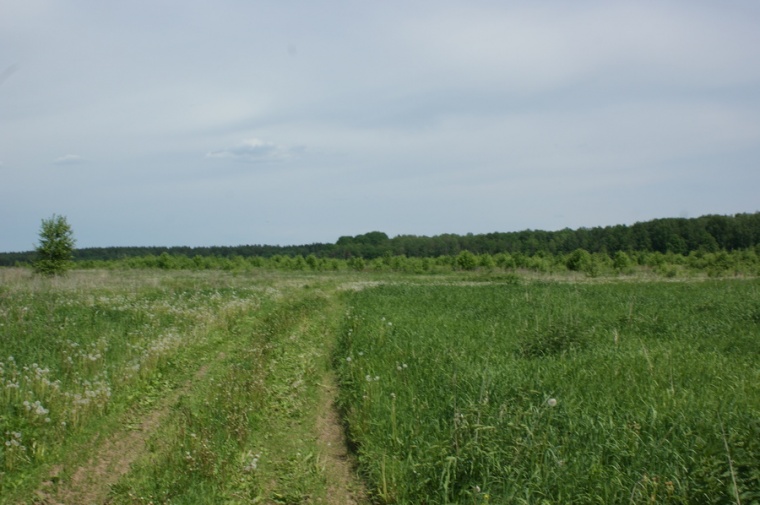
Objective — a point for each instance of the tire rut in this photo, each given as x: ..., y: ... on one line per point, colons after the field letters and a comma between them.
x: 344, y: 486
x: 91, y: 482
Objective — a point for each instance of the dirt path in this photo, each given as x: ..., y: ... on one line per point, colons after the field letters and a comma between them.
x: 114, y: 454
x: 91, y: 482
x: 344, y: 486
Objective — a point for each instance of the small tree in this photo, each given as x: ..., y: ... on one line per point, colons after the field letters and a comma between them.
x: 486, y: 261
x: 357, y: 263
x: 621, y: 262
x: 579, y: 260
x: 56, y: 247
x: 466, y: 260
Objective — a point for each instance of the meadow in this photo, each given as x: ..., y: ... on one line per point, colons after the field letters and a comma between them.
x: 152, y: 387
x: 177, y: 386
x: 555, y: 392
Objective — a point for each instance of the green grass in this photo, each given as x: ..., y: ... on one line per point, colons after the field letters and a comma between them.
x: 460, y: 388
x: 555, y: 393
x: 76, y: 354
x: 235, y: 437
x: 228, y: 364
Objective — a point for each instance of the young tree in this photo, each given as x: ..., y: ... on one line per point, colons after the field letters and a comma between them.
x: 621, y: 262
x: 579, y: 260
x: 56, y: 246
x: 466, y: 260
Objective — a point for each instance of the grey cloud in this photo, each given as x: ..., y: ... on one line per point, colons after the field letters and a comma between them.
x: 69, y: 159
x: 516, y: 110
x: 254, y: 151
x: 7, y: 73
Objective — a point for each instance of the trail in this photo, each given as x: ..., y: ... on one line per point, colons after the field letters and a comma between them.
x: 113, y: 455
x: 343, y: 484
x: 91, y: 482
x: 320, y: 428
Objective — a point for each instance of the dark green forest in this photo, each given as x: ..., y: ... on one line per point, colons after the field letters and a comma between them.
x: 708, y: 234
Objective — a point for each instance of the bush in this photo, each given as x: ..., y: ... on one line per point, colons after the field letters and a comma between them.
x: 579, y: 260
x: 357, y: 263
x: 466, y: 260
x: 621, y: 262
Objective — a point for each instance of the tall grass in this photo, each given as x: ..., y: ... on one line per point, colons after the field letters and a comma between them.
x: 217, y: 445
x: 75, y: 352
x: 555, y: 393
x: 219, y: 373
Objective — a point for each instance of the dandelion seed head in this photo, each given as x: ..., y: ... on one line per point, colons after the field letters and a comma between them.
x: 552, y: 402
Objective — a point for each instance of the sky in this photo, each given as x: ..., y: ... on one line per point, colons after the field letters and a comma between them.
x: 196, y: 123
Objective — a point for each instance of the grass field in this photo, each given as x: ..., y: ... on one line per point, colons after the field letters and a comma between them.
x: 555, y: 392
x: 216, y: 387
x: 146, y: 387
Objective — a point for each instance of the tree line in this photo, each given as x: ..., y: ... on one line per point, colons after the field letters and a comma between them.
x: 680, y: 236
x: 744, y: 262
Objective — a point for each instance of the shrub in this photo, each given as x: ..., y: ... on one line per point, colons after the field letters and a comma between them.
x: 466, y: 260
x: 579, y: 260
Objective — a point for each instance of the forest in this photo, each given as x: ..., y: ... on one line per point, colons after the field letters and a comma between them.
x: 708, y: 234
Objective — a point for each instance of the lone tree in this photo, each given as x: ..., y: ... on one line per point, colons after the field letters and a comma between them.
x: 56, y: 246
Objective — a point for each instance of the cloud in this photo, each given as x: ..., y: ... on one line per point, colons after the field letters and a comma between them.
x: 255, y: 151
x: 69, y: 159
x: 7, y: 73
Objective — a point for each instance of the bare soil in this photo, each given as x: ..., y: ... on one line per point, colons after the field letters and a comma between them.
x: 344, y: 487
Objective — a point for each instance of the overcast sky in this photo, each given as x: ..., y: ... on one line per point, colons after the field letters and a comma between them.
x: 290, y: 122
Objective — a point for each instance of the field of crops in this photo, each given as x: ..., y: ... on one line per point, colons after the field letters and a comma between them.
x: 555, y: 392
